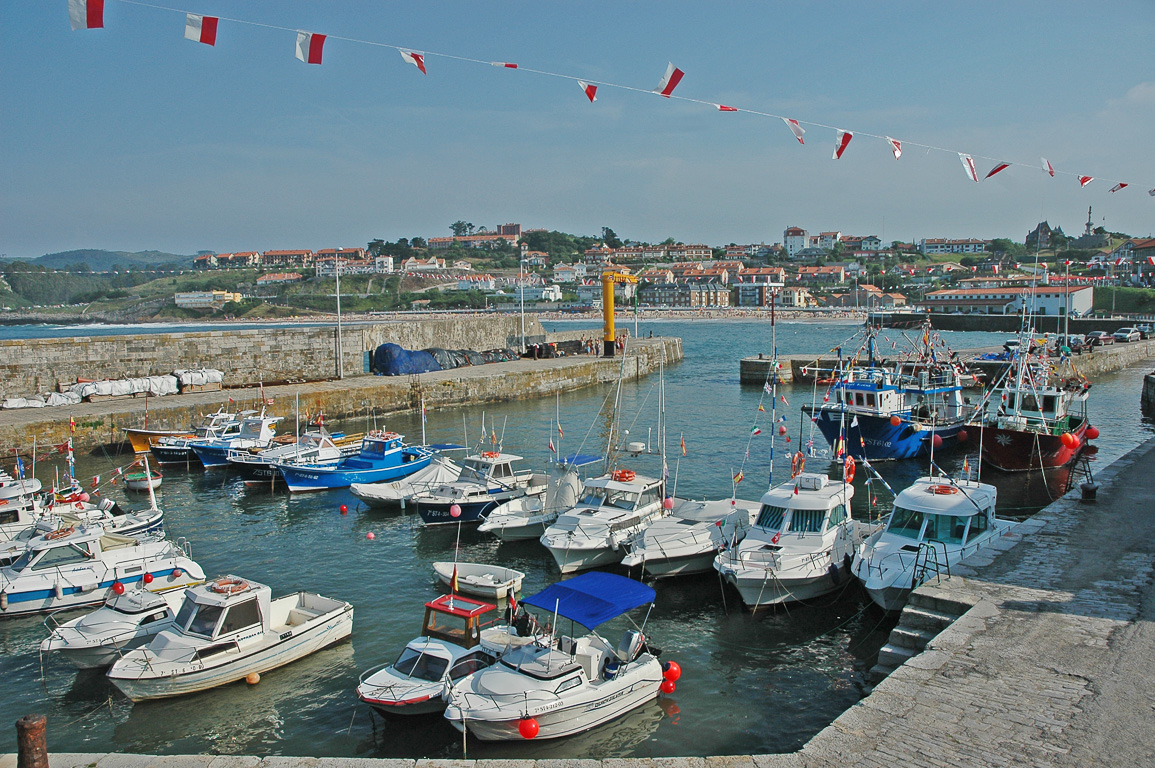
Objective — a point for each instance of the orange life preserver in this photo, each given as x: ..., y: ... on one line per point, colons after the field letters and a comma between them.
x: 849, y: 468
x: 59, y: 533
x: 623, y: 475
x: 943, y: 490
x: 489, y: 454
x: 797, y: 464
x: 229, y: 585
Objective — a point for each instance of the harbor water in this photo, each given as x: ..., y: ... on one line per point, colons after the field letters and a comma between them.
x: 751, y: 683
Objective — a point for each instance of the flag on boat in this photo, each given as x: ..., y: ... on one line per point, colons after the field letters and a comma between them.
x: 777, y: 537
x: 738, y: 477
x: 71, y: 424
x: 670, y: 80
x: 453, y: 583
x: 201, y: 29
x: 761, y: 409
x: 591, y: 91
x: 795, y: 128
x: 841, y: 143
x: 966, y: 467
x: 95, y: 480
x: 724, y: 108
x: 86, y: 14
x: 683, y: 445
x: 19, y: 469
x: 309, y: 46
x: 895, y: 146
x: 1118, y: 186
x: 551, y: 448
x: 755, y: 431
x: 493, y: 437
x: 783, y: 399
x: 559, y: 432
x: 415, y: 58
x: 854, y: 421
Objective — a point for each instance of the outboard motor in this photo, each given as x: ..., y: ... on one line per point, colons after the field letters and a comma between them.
x: 630, y: 645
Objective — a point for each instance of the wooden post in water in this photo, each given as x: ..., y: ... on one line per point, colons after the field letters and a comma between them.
x: 32, y: 747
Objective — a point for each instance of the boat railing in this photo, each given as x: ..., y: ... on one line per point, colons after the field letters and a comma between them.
x: 683, y: 539
x: 927, y: 563
x: 487, y: 702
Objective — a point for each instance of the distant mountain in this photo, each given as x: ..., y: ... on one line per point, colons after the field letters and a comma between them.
x: 102, y: 261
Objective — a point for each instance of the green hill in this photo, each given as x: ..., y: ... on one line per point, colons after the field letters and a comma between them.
x: 104, y: 261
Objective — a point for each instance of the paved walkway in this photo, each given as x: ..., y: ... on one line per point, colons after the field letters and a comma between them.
x: 1054, y: 665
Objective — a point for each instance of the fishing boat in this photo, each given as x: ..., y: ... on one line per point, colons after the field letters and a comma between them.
x: 561, y: 685
x: 384, y: 456
x: 225, y: 631
x: 79, y: 566
x: 175, y: 449
x: 487, y: 479
x: 142, y: 481
x: 527, y: 517
x: 687, y: 541
x: 935, y: 523
x: 395, y: 493
x: 16, y: 487
x: 494, y: 582
x: 458, y: 637
x: 125, y: 621
x: 801, y: 544
x: 73, y: 509
x: 256, y: 466
x: 613, y: 508
x: 255, y: 432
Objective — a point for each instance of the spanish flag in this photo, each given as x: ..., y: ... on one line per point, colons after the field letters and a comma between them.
x: 738, y: 477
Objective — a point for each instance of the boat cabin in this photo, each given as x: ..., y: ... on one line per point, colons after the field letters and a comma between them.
x: 226, y: 612
x: 934, y: 510
x: 483, y: 466
x: 621, y: 489
x: 820, y: 506
x: 456, y: 619
x: 1046, y: 407
x: 70, y: 548
x: 260, y: 429
x: 377, y: 444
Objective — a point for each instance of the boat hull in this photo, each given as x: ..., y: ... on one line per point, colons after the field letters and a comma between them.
x: 574, y: 560
x: 437, y: 513
x: 680, y: 565
x: 41, y: 600
x: 766, y: 589
x: 882, y: 439
x: 143, y: 439
x: 173, y: 454
x: 266, y: 659
x: 303, y: 479
x: 519, y: 531
x: 1018, y: 451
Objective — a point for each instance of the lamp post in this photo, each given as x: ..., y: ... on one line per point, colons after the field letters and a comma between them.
x: 340, y: 361
x: 521, y: 295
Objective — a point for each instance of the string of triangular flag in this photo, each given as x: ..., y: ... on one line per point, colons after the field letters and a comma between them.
x: 309, y: 48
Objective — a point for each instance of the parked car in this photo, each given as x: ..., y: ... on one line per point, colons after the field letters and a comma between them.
x: 1073, y: 342
x: 1146, y: 330
x: 1099, y: 339
x: 1130, y: 333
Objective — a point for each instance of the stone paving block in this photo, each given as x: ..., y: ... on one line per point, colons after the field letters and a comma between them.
x: 235, y: 761
x: 74, y: 759
x: 182, y: 761
x: 281, y: 761
x: 494, y: 764
x: 627, y: 762
x: 678, y: 762
x: 567, y: 763
x: 372, y: 762
x: 8, y: 760
x: 119, y: 760
x: 443, y: 763
x: 730, y: 761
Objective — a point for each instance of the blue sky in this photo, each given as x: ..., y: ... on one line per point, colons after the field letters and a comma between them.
x: 132, y: 137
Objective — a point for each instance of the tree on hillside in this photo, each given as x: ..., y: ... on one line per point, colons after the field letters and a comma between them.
x: 417, y: 242
x: 460, y: 228
x: 610, y: 238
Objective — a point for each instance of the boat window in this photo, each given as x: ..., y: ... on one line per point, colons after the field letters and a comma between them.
x: 10, y: 516
x: 946, y: 528
x: 806, y: 520
x: 978, y: 527
x: 770, y: 517
x: 22, y: 562
x: 593, y: 497
x: 60, y: 556
x: 837, y: 517
x: 565, y: 685
x: 469, y: 664
x: 905, y: 522
x: 1011, y: 401
x: 1049, y: 403
x: 650, y: 496
x: 870, y: 399
x: 205, y: 620
x: 422, y: 666
x: 621, y: 499
x: 502, y: 470
x: 187, y: 609
x: 155, y: 617
x: 251, y: 429
x: 241, y: 616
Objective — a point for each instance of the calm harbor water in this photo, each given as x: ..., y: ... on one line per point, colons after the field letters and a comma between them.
x: 751, y: 683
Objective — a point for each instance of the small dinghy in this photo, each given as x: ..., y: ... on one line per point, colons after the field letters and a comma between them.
x: 492, y: 581
x: 227, y: 630
x: 457, y: 639
x: 125, y: 621
x: 140, y: 481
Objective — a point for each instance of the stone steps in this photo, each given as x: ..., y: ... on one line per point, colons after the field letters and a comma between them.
x: 926, y: 614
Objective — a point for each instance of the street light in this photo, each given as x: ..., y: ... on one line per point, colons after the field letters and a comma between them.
x: 521, y: 293
x: 340, y: 362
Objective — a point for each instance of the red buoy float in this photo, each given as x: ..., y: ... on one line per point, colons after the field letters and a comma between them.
x: 118, y: 587
x: 528, y: 727
x: 177, y: 573
x: 1092, y: 433
x: 671, y: 670
x: 668, y: 503
x: 895, y: 421
x: 1069, y: 440
x: 782, y: 429
x: 963, y: 436
x: 344, y: 509
x: 668, y: 686
x: 455, y: 511
x: 147, y: 578
x: 936, y: 440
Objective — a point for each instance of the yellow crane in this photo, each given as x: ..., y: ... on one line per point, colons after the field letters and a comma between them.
x: 608, y: 280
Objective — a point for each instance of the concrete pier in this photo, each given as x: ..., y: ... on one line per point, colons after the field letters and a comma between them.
x: 1050, y: 663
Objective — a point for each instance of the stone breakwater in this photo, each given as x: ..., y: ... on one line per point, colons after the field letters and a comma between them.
x: 101, y: 424
x: 1049, y: 664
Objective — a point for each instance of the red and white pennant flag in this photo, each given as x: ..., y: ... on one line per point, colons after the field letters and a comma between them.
x: 724, y: 108
x: 415, y: 58
x: 591, y: 91
x: 202, y: 29
x: 1085, y: 180
x: 86, y: 14
x: 309, y: 47
x: 670, y: 80
x: 841, y: 143
x: 506, y: 64
x: 997, y: 169
x: 1047, y: 167
x: 895, y: 146
x: 969, y: 164
x: 1118, y: 186
x: 795, y: 128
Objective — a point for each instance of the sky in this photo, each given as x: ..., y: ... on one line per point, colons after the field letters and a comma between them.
x: 132, y: 137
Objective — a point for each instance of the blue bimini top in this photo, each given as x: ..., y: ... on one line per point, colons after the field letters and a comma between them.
x: 592, y: 598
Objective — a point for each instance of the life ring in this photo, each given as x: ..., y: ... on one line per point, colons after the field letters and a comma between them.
x: 229, y: 585
x: 797, y: 464
x: 943, y: 490
x: 849, y: 468
x: 489, y: 454
x: 59, y: 533
x: 623, y: 475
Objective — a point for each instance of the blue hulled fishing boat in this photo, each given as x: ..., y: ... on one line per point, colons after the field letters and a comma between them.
x: 384, y: 457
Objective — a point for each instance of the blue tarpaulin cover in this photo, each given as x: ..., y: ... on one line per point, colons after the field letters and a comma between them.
x: 394, y: 360
x: 592, y: 598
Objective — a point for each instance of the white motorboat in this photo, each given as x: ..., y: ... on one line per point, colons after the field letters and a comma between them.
x: 527, y: 517
x: 687, y: 541
x: 487, y: 479
x: 612, y: 508
x: 69, y: 514
x: 176, y: 449
x: 226, y: 630
x: 935, y: 523
x: 455, y: 641
x: 799, y: 547
x: 14, y: 488
x: 84, y: 565
x: 393, y: 494
x: 480, y: 580
x: 255, y: 465
x: 551, y: 688
x: 125, y: 621
x: 255, y: 432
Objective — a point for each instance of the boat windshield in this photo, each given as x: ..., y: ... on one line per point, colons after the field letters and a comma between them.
x: 251, y: 429
x: 806, y: 520
x: 946, y: 528
x: 198, y: 619
x: 22, y: 562
x: 905, y: 522
x: 771, y: 517
x: 597, y: 497
x: 420, y: 665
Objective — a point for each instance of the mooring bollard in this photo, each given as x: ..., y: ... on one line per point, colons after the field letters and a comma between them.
x: 32, y: 749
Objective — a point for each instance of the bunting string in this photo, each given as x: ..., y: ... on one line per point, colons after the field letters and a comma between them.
x: 89, y: 14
